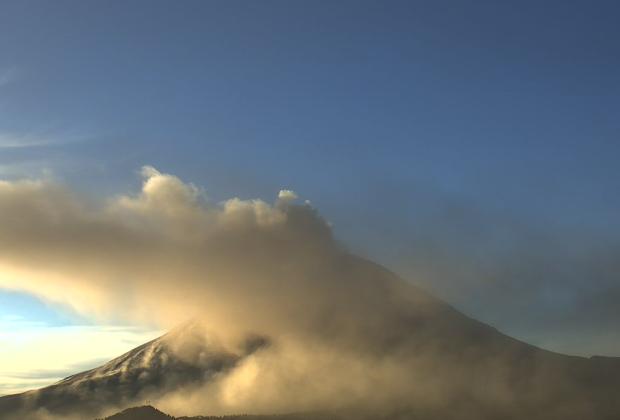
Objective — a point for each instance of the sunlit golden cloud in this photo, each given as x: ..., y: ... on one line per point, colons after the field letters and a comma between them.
x: 338, y: 330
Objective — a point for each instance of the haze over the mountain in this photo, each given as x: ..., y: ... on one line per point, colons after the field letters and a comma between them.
x: 443, y: 363
x: 286, y: 319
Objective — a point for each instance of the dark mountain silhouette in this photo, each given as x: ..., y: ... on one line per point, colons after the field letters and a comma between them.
x: 470, y: 360
x: 146, y: 412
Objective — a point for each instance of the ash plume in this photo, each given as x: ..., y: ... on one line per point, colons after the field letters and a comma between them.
x: 334, y: 331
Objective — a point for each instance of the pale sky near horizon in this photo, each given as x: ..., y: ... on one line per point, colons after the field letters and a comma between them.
x: 472, y: 148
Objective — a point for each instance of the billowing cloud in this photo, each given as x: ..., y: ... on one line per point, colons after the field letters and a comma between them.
x: 342, y: 331
x: 168, y: 254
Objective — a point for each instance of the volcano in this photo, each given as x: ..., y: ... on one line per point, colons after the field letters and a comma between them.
x: 480, y: 372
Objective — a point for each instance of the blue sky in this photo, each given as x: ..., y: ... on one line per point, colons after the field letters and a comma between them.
x: 470, y: 146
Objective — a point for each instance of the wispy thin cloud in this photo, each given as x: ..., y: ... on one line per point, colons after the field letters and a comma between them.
x: 23, y: 366
x: 9, y: 322
x: 50, y: 375
x: 17, y: 141
x: 25, y: 155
